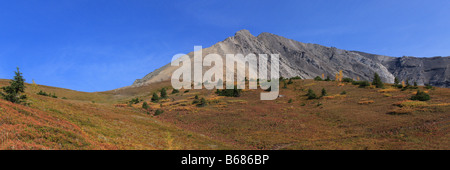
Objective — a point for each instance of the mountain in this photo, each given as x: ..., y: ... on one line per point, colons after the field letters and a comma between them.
x: 310, y: 60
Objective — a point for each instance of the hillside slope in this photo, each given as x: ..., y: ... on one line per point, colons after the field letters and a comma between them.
x: 79, y: 122
x: 348, y: 117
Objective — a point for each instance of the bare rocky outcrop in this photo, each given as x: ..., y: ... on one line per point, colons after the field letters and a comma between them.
x: 311, y: 60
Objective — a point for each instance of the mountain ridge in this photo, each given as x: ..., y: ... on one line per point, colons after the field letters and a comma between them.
x: 309, y: 60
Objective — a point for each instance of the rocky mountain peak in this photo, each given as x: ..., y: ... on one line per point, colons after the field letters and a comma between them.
x: 311, y: 60
x: 243, y: 32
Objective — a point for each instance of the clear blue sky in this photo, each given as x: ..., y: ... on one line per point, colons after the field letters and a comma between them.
x: 98, y: 45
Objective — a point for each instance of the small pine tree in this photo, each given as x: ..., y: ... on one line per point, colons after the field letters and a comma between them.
x: 311, y: 94
x: 134, y: 101
x: 196, y: 97
x: 155, y: 98
x: 415, y: 84
x: 145, y: 106
x: 163, y: 93
x: 396, y: 82
x: 377, y: 81
x: 158, y: 112
x: 202, y: 103
x: 285, y: 85
x: 324, y: 92
x: 15, y: 88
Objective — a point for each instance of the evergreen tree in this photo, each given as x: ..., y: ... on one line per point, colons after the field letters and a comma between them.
x: 155, y: 98
x: 324, y: 92
x: 163, y: 93
x: 134, y: 101
x: 145, y: 106
x: 202, y: 102
x: 377, y: 81
x: 15, y: 88
x: 311, y: 94
x: 396, y: 82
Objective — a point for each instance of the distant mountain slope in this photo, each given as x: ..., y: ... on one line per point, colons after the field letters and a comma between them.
x: 310, y: 60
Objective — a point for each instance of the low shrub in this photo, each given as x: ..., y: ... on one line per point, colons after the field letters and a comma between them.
x: 317, y: 78
x: 348, y: 80
x: 229, y: 92
x: 158, y: 112
x: 311, y: 94
x: 175, y: 91
x: 421, y: 96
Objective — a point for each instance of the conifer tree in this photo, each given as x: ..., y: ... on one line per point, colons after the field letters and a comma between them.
x: 163, y: 93
x: 145, y: 105
x: 324, y: 92
x: 15, y: 88
x: 377, y: 81
x: 155, y: 98
x: 396, y: 81
x: 202, y: 102
x: 311, y: 94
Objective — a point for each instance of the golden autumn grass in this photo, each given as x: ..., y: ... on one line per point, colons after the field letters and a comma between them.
x: 363, y: 118
x: 78, y: 123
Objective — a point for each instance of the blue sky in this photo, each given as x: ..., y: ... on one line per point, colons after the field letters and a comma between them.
x: 98, y: 45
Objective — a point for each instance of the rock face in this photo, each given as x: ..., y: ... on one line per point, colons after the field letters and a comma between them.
x: 311, y: 60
